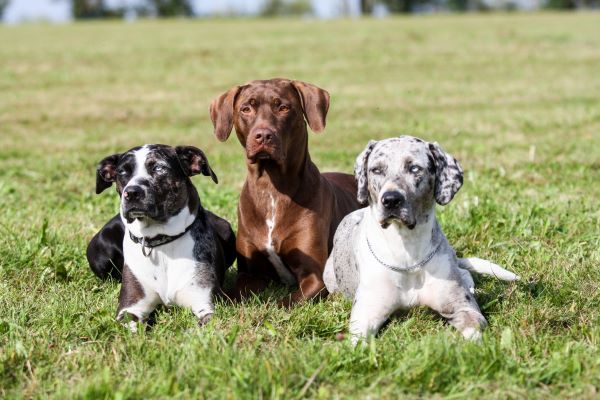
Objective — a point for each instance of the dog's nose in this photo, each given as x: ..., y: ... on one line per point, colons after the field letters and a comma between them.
x: 391, y: 199
x: 133, y: 193
x: 263, y: 136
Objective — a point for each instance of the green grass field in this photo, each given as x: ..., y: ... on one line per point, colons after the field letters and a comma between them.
x: 516, y: 98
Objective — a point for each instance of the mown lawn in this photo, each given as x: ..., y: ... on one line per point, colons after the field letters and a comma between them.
x: 516, y: 98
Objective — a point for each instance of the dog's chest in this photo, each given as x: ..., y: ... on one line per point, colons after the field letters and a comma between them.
x: 399, y: 288
x: 270, y: 246
x: 167, y: 268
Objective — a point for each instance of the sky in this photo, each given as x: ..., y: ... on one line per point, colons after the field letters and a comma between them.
x: 60, y: 11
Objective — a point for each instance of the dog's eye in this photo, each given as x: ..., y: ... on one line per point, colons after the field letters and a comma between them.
x: 376, y: 171
x: 283, y: 108
x: 122, y: 172
x: 415, y: 169
x: 158, y: 168
x: 246, y: 109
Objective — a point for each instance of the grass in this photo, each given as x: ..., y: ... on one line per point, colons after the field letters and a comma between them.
x: 513, y: 97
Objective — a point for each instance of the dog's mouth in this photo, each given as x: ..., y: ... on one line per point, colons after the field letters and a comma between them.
x: 263, y: 155
x: 402, y: 216
x: 134, y: 213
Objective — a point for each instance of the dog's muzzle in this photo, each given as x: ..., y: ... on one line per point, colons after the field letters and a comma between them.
x: 393, y: 207
x: 137, y: 204
x: 263, y: 144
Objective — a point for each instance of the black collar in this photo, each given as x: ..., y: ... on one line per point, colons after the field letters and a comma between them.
x: 159, y: 240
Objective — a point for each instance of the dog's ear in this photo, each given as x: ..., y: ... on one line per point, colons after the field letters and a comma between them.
x: 315, y: 104
x: 106, y: 172
x: 221, y: 113
x: 448, y: 174
x: 361, y: 172
x: 194, y: 162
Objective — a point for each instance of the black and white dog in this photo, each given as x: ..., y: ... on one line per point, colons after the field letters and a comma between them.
x: 172, y: 254
x: 393, y: 254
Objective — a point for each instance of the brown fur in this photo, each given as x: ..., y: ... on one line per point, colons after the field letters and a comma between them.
x: 269, y: 119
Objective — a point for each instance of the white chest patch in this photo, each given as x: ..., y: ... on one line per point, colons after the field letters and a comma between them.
x: 284, y: 274
x: 165, y: 271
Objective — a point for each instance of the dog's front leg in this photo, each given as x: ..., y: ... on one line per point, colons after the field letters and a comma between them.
x: 199, y: 299
x: 367, y: 316
x: 311, y: 287
x: 457, y: 304
x: 135, y: 303
x: 308, y: 271
x: 253, y: 269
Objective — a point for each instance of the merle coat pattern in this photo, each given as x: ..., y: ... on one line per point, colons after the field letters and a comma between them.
x: 393, y: 254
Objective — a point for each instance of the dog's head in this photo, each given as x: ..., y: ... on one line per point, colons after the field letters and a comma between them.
x: 268, y: 116
x: 400, y: 178
x: 153, y: 180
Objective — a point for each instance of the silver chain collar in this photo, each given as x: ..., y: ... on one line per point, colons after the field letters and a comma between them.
x: 409, y: 268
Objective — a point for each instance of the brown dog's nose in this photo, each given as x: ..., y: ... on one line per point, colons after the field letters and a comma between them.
x: 263, y: 136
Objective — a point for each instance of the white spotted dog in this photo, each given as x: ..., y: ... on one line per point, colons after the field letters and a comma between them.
x: 171, y: 253
x: 393, y: 254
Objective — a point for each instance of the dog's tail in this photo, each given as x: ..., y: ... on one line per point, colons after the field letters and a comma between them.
x: 474, y: 264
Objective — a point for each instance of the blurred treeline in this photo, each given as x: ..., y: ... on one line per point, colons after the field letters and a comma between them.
x: 184, y: 8
x: 83, y: 9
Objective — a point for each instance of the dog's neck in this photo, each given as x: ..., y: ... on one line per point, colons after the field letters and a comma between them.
x: 403, y: 246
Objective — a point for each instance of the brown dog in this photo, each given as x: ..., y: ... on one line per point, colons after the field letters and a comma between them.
x: 288, y: 212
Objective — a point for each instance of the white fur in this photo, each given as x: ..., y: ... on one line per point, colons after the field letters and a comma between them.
x: 168, y: 276
x: 485, y: 267
x: 284, y: 274
x: 381, y: 291
x: 140, y: 171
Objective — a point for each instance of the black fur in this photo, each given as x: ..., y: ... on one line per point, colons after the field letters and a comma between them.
x: 105, y: 250
x: 165, y: 194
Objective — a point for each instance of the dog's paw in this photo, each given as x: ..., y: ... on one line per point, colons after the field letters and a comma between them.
x: 129, y: 321
x: 285, y: 302
x: 472, y: 334
x: 204, y: 319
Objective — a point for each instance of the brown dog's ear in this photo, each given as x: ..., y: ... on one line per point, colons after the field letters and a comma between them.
x: 361, y: 173
x: 448, y: 174
x: 221, y: 113
x: 315, y: 104
x: 194, y: 162
x: 106, y: 172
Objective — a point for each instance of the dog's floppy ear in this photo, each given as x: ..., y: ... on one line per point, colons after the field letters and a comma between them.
x: 315, y: 104
x: 221, y: 113
x: 448, y: 174
x: 106, y: 172
x: 194, y: 161
x: 361, y: 172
